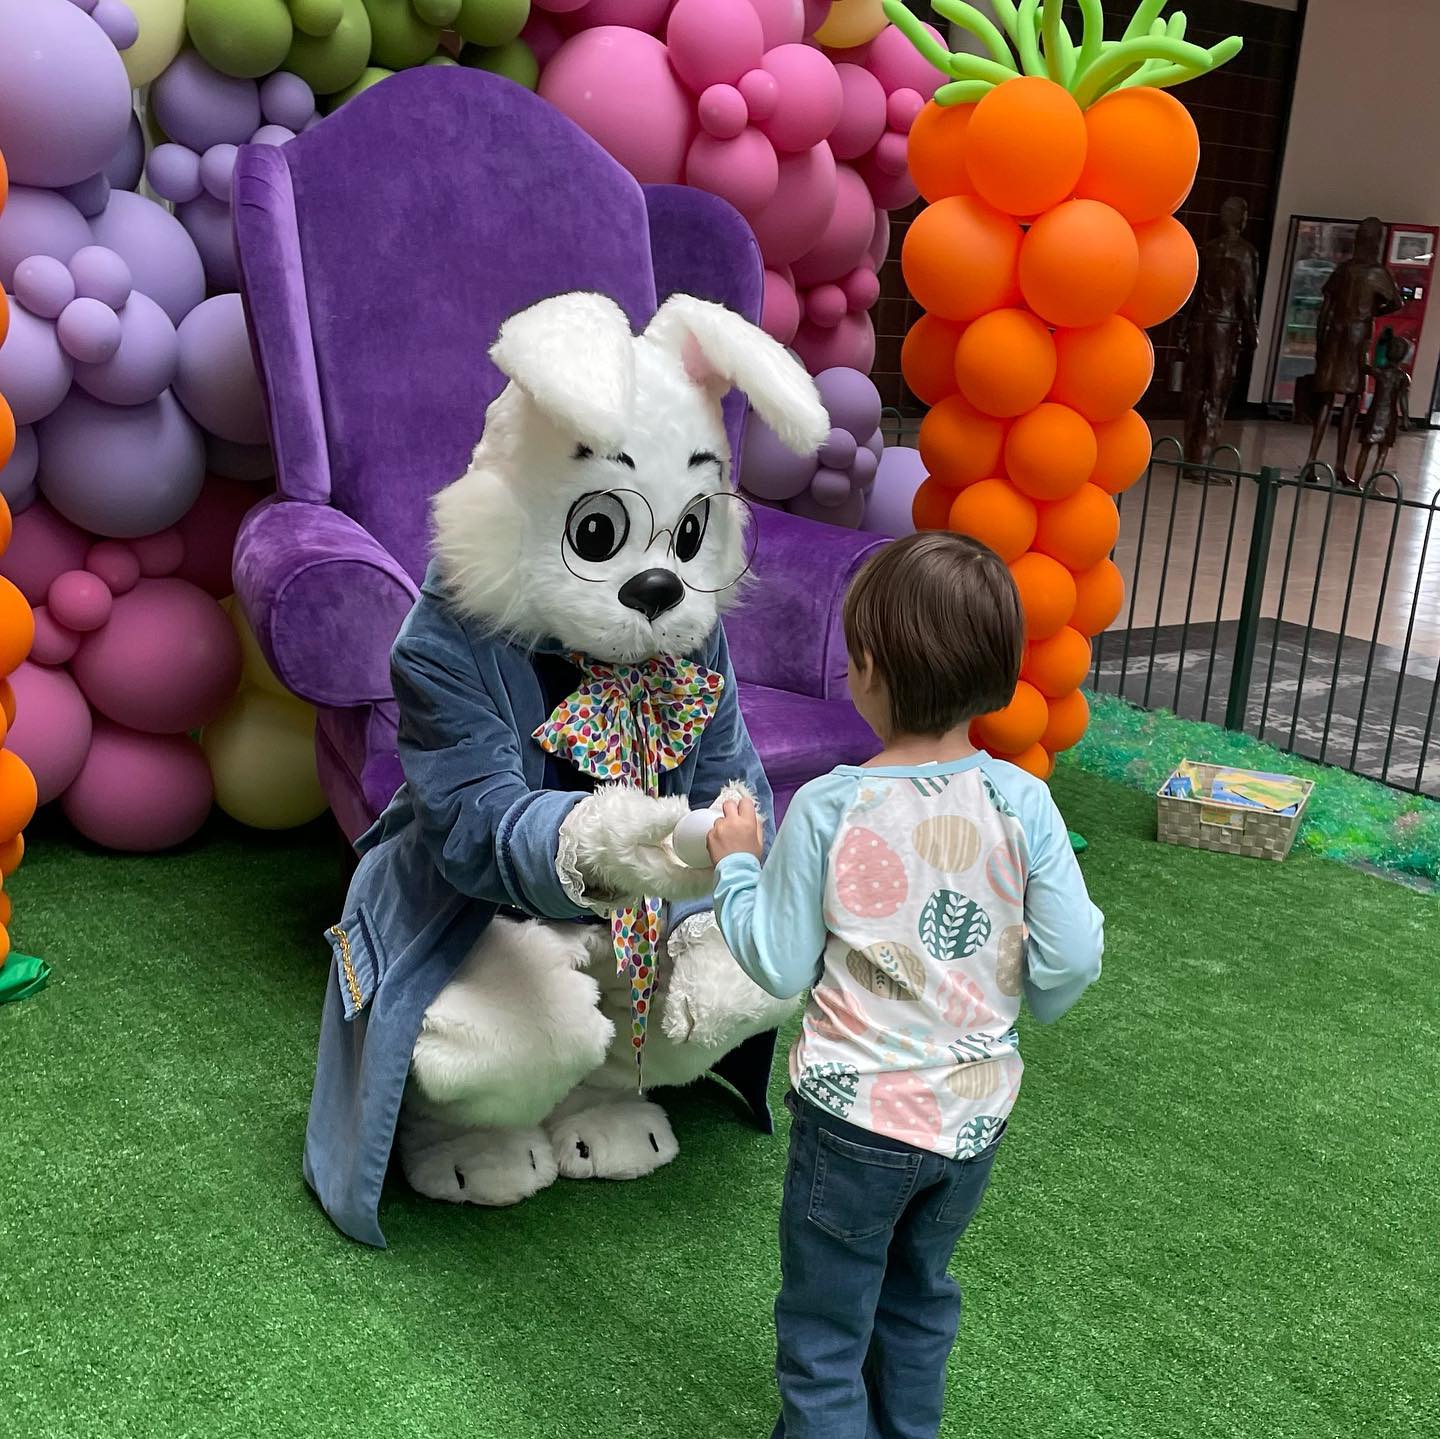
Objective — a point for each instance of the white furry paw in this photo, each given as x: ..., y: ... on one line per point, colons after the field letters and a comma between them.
x: 493, y: 1167
x: 617, y: 840
x: 709, y: 1001
x: 619, y: 1139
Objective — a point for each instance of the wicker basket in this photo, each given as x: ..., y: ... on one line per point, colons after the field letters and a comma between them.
x: 1227, y: 829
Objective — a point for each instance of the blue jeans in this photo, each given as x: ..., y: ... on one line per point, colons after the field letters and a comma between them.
x: 867, y: 1312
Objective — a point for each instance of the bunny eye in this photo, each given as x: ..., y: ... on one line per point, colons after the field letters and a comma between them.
x: 598, y: 527
x: 690, y: 532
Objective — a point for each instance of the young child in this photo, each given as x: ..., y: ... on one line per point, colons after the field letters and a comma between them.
x: 919, y: 897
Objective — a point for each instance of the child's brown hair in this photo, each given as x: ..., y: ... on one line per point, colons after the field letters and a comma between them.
x: 940, y: 618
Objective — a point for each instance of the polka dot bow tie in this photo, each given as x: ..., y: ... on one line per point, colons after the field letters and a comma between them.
x: 629, y: 724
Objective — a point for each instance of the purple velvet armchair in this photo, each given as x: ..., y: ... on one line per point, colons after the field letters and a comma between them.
x: 379, y: 254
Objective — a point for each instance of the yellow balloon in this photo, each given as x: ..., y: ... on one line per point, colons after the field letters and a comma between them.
x: 851, y: 23
x: 262, y: 756
x: 254, y: 668
x: 162, y: 33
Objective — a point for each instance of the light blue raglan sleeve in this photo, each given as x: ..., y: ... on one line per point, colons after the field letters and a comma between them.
x: 773, y: 918
x: 1066, y: 930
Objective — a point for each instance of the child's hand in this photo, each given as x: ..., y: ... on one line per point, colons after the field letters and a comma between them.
x: 737, y: 831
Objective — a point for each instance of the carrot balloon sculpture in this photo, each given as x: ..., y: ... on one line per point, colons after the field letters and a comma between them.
x: 1052, y: 170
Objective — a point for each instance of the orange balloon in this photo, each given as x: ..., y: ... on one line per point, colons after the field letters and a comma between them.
x: 4, y: 317
x: 936, y: 151
x: 6, y: 909
x: 17, y: 627
x: 1057, y: 665
x: 1099, y: 593
x: 7, y: 525
x: 1102, y: 371
x: 1025, y: 145
x: 959, y: 445
x: 997, y: 514
x: 1047, y: 594
x: 4, y: 182
x: 1036, y: 760
x: 1069, y: 718
x: 1016, y: 727
x: 7, y: 431
x: 930, y: 509
x: 1079, y: 263
x: 7, y: 703
x: 1005, y: 362
x: 18, y: 796
x: 1169, y: 266
x: 1050, y: 452
x: 1122, y: 452
x: 4, y: 944
x: 1079, y: 531
x: 959, y: 258
x: 11, y: 853
x: 1142, y: 153
x: 927, y: 358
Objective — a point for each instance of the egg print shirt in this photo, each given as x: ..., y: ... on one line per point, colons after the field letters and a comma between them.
x: 918, y: 905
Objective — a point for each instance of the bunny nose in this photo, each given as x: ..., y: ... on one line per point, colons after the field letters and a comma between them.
x: 652, y: 592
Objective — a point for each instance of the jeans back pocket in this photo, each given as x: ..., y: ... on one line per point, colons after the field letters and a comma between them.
x: 859, y: 1191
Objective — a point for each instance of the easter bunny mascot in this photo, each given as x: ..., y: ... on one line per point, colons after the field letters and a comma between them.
x: 522, y: 956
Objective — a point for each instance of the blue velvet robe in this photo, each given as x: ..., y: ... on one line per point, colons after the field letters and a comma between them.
x: 473, y: 831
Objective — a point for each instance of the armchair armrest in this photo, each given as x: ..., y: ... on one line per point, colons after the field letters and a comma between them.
x: 786, y: 632
x: 324, y: 599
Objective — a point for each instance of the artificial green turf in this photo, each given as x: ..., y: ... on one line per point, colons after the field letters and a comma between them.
x: 1215, y: 1214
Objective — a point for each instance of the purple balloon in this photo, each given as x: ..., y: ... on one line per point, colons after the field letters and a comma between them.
x: 64, y: 94
x: 272, y: 135
x: 254, y: 464
x: 838, y: 450
x: 863, y: 468
x: 174, y: 173
x: 852, y: 400
x: 89, y: 196
x: 35, y: 373
x: 101, y: 274
x: 285, y: 99
x: 168, y: 661
x: 207, y: 222
x: 768, y: 469
x: 162, y: 257
x: 200, y: 107
x: 890, y: 501
x: 17, y: 474
x: 143, y: 366
x: 52, y: 727
x: 830, y: 488
x: 216, y: 379
x: 128, y: 162
x: 217, y: 171
x: 118, y: 21
x: 36, y: 222
x: 89, y: 331
x: 846, y: 515
x: 44, y: 286
x: 121, y: 471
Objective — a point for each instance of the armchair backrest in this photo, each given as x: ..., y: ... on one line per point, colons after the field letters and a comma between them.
x: 380, y: 253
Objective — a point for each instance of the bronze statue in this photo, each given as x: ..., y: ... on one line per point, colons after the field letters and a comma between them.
x: 1357, y: 293
x: 1389, y: 410
x: 1221, y: 323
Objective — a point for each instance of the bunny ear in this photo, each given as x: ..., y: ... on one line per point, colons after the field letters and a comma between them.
x: 573, y: 355
x: 717, y: 347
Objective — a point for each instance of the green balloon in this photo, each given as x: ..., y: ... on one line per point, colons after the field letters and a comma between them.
x: 371, y: 75
x: 437, y: 12
x: 316, y: 17
x: 442, y: 59
x: 515, y: 61
x: 243, y: 38
x: 400, y: 37
x: 330, y: 63
x: 492, y: 22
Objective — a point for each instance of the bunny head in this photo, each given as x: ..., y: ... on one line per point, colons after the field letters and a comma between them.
x: 598, y: 511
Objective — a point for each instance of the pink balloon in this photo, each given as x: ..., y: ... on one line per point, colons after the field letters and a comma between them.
x: 42, y: 547
x: 560, y: 7
x: 816, y: 14
x: 861, y: 287
x: 116, y: 564
x: 637, y: 14
x: 167, y: 662
x: 780, y: 311
x: 159, y: 554
x: 617, y: 85
x: 209, y: 531
x: 862, y: 113
x: 713, y: 41
x: 722, y: 112
x: 743, y: 170
x: 80, y: 601
x: 847, y: 234
x: 782, y: 21
x: 849, y: 345
x: 796, y: 218
x: 880, y: 241
x: 810, y: 97
x: 54, y: 644
x: 889, y: 190
x: 825, y: 306
x: 761, y: 93
x: 898, y: 65
x: 543, y: 35
x: 890, y: 157
x: 903, y: 108
x: 139, y: 792
x: 52, y: 727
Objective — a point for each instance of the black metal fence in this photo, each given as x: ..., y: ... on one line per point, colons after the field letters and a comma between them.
x: 1304, y: 613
